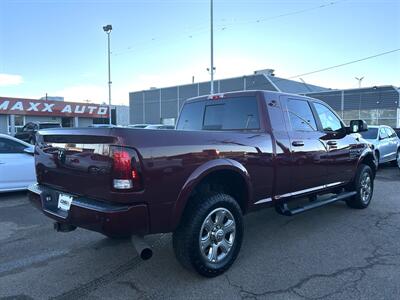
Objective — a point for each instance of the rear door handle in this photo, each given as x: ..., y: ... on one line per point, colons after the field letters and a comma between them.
x: 332, y: 143
x: 297, y: 143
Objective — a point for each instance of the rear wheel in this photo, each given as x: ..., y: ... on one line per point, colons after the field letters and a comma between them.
x: 210, y: 234
x: 364, y: 186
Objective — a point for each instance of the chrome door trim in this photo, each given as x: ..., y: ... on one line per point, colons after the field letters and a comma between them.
x: 321, y: 187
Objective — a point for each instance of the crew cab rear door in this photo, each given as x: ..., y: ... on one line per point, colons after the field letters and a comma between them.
x: 309, y: 156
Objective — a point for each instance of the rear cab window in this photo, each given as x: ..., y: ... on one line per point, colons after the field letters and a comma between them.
x: 231, y: 114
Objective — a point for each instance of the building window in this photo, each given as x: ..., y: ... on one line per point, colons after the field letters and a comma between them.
x: 19, y: 123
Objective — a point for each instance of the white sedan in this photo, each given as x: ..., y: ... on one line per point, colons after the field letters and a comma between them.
x: 17, y: 167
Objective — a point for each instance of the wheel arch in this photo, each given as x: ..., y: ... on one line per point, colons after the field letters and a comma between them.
x: 217, y: 172
x: 368, y: 158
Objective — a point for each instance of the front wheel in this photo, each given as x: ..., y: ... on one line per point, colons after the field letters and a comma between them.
x: 364, y: 186
x: 210, y: 234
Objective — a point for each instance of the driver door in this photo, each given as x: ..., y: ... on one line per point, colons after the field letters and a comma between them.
x: 342, y: 148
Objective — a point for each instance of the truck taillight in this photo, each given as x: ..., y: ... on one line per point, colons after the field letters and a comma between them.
x: 125, y: 169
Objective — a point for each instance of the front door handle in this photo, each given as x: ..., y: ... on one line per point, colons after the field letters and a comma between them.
x: 297, y: 143
x: 332, y: 143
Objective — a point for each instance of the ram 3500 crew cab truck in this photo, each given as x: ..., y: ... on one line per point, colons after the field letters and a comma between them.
x: 230, y: 154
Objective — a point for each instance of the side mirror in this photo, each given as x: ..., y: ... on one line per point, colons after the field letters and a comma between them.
x: 358, y: 126
x: 29, y: 150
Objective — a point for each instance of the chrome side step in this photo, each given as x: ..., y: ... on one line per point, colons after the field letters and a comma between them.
x: 284, y: 209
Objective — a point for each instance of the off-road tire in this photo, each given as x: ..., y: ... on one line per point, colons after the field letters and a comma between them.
x: 185, y: 239
x: 357, y: 200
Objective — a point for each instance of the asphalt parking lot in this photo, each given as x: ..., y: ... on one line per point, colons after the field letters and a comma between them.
x: 331, y: 253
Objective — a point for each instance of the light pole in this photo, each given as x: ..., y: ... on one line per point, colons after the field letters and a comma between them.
x: 359, y: 81
x: 107, y: 29
x: 212, y: 45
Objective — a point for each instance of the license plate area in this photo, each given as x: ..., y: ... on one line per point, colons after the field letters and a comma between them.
x: 51, y: 203
x: 64, y: 202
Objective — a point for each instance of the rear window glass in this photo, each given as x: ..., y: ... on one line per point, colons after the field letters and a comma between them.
x: 44, y: 126
x: 239, y: 113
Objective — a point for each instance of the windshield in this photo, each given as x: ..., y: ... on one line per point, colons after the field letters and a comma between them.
x: 44, y: 126
x: 370, y: 134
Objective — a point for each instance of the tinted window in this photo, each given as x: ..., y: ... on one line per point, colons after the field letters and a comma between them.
x: 329, y: 121
x: 370, y: 134
x: 300, y: 114
x: 191, y: 117
x: 390, y: 132
x: 223, y: 114
x: 382, y: 133
x: 9, y: 146
x: 44, y: 126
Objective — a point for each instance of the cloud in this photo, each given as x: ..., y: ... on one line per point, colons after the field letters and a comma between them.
x: 10, y: 79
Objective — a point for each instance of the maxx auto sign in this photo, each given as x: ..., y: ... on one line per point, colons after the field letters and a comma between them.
x: 17, y: 106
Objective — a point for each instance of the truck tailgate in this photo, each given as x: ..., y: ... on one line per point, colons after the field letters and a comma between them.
x: 76, y: 161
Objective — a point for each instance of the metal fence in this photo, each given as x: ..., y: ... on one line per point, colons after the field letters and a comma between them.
x: 376, y: 105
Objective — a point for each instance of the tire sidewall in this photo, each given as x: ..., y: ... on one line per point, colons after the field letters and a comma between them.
x: 360, y: 174
x: 203, y: 266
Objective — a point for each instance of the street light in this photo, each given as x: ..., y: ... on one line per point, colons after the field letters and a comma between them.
x: 107, y: 29
x: 212, y: 69
x: 359, y: 81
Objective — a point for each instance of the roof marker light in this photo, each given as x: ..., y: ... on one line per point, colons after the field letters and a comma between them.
x: 216, y: 96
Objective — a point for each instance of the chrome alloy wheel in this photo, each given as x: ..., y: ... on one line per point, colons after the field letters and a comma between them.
x: 217, y: 235
x: 366, y: 188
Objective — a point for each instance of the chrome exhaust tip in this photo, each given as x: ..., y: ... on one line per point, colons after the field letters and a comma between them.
x: 141, y: 247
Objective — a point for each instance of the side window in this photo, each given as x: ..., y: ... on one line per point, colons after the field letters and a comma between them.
x: 382, y: 133
x: 28, y: 127
x: 301, y: 116
x: 9, y: 146
x: 329, y: 121
x: 390, y: 132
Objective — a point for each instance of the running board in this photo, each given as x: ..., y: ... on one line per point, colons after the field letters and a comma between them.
x: 284, y: 209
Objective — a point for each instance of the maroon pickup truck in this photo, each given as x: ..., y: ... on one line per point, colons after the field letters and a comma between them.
x: 230, y: 154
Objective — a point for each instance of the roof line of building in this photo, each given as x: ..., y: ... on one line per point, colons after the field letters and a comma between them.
x: 229, y: 78
x: 354, y: 89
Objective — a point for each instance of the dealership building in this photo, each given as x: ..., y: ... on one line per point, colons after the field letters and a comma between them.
x: 377, y: 105
x: 16, y: 112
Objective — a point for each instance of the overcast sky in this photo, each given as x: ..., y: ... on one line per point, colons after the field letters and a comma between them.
x: 59, y: 47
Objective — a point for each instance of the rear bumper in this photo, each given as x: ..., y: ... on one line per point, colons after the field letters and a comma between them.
x: 110, y: 219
